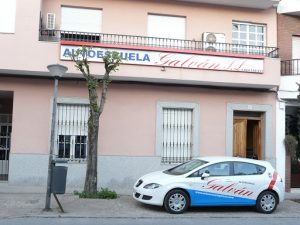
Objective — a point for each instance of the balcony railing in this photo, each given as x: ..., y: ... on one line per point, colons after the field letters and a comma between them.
x: 290, y: 67
x: 130, y: 40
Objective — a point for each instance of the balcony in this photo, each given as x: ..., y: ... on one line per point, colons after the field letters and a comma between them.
x: 153, y: 43
x: 290, y: 67
x: 171, y: 61
x: 289, y: 7
x: 289, y: 88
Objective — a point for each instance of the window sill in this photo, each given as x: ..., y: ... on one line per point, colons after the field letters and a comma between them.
x: 74, y: 161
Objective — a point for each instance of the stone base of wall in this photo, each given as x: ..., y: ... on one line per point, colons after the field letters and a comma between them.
x: 118, y: 173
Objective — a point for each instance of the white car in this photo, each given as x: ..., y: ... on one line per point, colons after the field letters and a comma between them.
x: 212, y: 181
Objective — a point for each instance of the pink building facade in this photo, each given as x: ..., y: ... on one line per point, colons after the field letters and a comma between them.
x: 197, y: 79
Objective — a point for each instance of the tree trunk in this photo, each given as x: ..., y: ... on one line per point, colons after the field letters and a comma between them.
x: 90, y: 185
x: 111, y: 62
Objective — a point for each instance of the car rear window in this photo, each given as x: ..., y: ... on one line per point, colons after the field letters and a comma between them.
x: 185, y: 167
x: 242, y: 168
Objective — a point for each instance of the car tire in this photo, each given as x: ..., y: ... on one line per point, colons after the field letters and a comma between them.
x: 266, y: 202
x: 176, y: 201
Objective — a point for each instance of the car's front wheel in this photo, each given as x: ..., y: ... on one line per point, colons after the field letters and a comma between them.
x: 266, y: 202
x: 176, y: 201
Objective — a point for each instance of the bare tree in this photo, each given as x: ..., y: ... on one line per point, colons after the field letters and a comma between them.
x: 111, y: 63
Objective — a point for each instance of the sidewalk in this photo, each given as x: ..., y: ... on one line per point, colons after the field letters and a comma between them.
x: 31, y: 205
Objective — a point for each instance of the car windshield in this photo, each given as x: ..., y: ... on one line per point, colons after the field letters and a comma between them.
x: 185, y: 167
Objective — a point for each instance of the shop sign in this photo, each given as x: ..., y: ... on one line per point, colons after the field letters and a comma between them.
x: 171, y: 59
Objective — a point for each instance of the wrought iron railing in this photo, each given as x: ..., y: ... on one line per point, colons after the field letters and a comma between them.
x: 290, y: 67
x: 130, y: 40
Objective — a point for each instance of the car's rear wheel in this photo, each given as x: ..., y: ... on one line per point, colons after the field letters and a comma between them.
x: 266, y: 202
x: 176, y: 201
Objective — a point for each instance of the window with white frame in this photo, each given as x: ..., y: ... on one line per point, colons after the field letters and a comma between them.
x: 81, y: 19
x: 7, y: 16
x: 72, y: 130
x: 162, y: 28
x: 85, y: 21
x: 177, y: 132
x: 249, y: 34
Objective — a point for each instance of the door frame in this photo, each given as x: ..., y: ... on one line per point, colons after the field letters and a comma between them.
x: 266, y: 126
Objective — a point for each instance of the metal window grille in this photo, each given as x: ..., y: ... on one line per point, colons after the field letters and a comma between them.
x: 5, y: 137
x: 177, y: 135
x: 72, y: 130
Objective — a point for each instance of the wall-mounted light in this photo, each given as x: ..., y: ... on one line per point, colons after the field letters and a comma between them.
x: 163, y: 69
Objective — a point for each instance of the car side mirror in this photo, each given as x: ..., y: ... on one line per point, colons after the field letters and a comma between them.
x: 204, y: 175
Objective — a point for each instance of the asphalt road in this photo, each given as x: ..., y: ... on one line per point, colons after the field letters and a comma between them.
x: 149, y: 221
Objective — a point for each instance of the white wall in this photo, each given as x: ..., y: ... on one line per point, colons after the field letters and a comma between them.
x: 7, y: 16
x: 280, y: 134
x: 288, y: 87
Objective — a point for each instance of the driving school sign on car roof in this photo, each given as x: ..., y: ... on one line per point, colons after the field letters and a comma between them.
x: 171, y: 59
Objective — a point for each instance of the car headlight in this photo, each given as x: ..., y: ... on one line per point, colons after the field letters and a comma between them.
x: 152, y: 186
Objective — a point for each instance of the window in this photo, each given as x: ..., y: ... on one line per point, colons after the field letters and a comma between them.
x: 249, y: 34
x: 177, y: 131
x: 241, y: 168
x: 177, y: 135
x: 218, y: 169
x: 78, y: 23
x: 295, y: 64
x: 185, y: 167
x: 7, y: 16
x: 163, y: 28
x: 72, y: 130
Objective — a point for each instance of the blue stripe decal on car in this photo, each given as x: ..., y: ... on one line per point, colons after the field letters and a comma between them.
x: 201, y: 198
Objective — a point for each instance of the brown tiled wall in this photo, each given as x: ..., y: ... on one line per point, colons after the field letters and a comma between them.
x: 287, y: 27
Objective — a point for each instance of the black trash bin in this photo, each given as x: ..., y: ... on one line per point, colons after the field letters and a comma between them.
x: 59, y: 179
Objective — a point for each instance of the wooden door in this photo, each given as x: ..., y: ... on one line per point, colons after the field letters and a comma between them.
x: 239, y: 137
x: 257, y: 139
